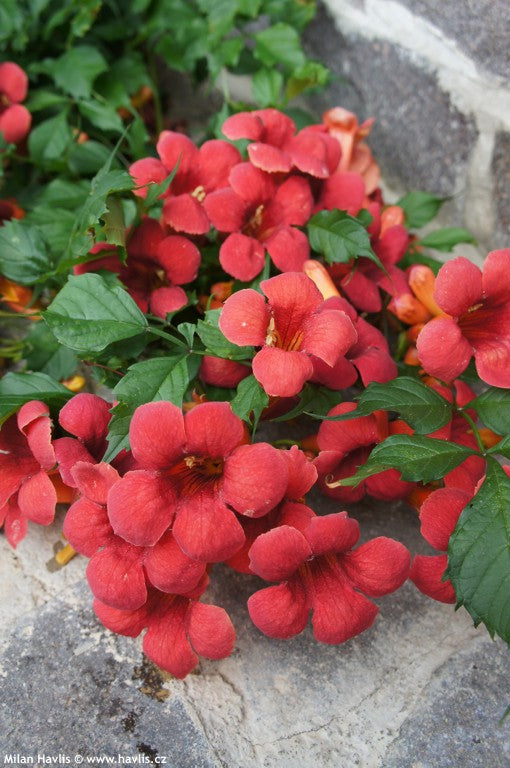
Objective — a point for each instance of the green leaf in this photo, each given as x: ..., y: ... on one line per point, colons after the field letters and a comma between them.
x: 216, y: 343
x: 161, y: 378
x: 187, y: 330
x: 502, y: 448
x: 23, y: 253
x: 493, y: 408
x: 42, y: 99
x: 318, y: 400
x: 311, y: 75
x: 89, y: 313
x: 103, y: 116
x: 250, y: 399
x: 417, y: 257
x: 420, y: 406
x: 267, y: 87
x: 75, y: 71
x: 114, y: 225
x: 45, y: 354
x: 340, y: 237
x: 19, y: 388
x: 154, y: 191
x: 420, y: 208
x: 49, y: 140
x: 62, y: 193
x: 279, y: 44
x: 446, y: 239
x: 88, y: 158
x: 479, y: 554
x: 417, y: 458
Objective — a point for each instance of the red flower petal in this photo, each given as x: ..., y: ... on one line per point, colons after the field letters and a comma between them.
x: 493, y: 361
x: 269, y: 158
x: 345, y: 436
x: 212, y: 429
x: 495, y: 277
x: 217, y: 158
x: 87, y: 417
x: 442, y: 349
x: 116, y: 578
x: 145, y: 171
x: 302, y: 473
x: 145, y: 240
x: 37, y: 499
x: 281, y: 373
x: 458, y: 286
x: 339, y: 612
x: 245, y: 317
x: 252, y: 185
x: 292, y: 203
x: 35, y: 424
x: 254, y: 479
x: 176, y: 148
x: 226, y: 210
x: 328, y: 335
x: 166, y: 642
x: 206, y: 530
x: 141, y: 507
x: 169, y: 569
x: 210, y: 631
x: 277, y: 554
x: 289, y: 249
x: 185, y: 214
x: 13, y: 81
x: 427, y: 573
x: 87, y: 526
x: 222, y: 373
x: 68, y: 452
x: 15, y: 524
x: 15, y: 123
x: 94, y: 480
x: 439, y: 514
x: 157, y: 435
x: 129, y: 623
x: 165, y: 300
x: 242, y: 256
x: 13, y: 470
x: 280, y: 611
x: 291, y: 294
x: 332, y: 533
x: 244, y: 125
x: 341, y: 375
x: 378, y: 567
x: 345, y: 191
x: 314, y: 152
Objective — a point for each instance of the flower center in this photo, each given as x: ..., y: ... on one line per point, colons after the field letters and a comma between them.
x: 254, y: 223
x: 194, y: 473
x: 199, y: 193
x: 274, y: 338
x: 483, y: 322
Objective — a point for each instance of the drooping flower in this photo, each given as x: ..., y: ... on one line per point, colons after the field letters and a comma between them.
x: 179, y: 629
x: 290, y: 328
x: 478, y: 305
x: 314, y: 559
x: 195, y: 470
x: 15, y: 119
x: 356, y: 154
x: 119, y: 573
x: 276, y: 147
x: 200, y: 172
x: 155, y: 269
x: 26, y: 457
x: 259, y: 213
x: 439, y: 514
x: 346, y: 445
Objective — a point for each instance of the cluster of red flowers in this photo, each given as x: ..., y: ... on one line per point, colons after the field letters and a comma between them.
x: 194, y: 490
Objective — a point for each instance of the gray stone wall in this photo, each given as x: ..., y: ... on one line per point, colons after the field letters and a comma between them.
x: 436, y: 76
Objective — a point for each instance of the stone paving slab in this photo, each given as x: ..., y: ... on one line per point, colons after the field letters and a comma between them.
x: 422, y: 689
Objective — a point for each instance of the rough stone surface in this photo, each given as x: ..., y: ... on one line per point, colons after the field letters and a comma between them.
x: 501, y: 173
x: 480, y: 28
x: 405, y: 693
x: 420, y: 140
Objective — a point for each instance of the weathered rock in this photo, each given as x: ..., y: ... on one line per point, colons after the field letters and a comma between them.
x: 501, y: 172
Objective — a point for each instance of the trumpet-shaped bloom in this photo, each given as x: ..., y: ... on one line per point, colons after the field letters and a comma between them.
x: 277, y: 148
x: 259, y: 213
x: 196, y: 470
x: 314, y: 559
x: 120, y: 573
x: 26, y: 457
x: 179, y: 629
x: 156, y: 267
x: 200, y: 172
x: 478, y: 305
x: 345, y: 446
x: 15, y: 119
x: 290, y: 328
x: 439, y: 514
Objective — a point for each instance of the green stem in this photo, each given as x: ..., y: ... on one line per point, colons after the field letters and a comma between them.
x: 168, y: 337
x: 284, y: 442
x: 153, y: 72
x: 476, y: 433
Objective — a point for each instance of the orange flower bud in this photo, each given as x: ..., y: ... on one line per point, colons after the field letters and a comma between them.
x: 408, y: 309
x: 318, y: 273
x: 422, y: 281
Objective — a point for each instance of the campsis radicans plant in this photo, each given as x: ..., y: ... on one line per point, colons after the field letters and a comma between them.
x: 257, y: 328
